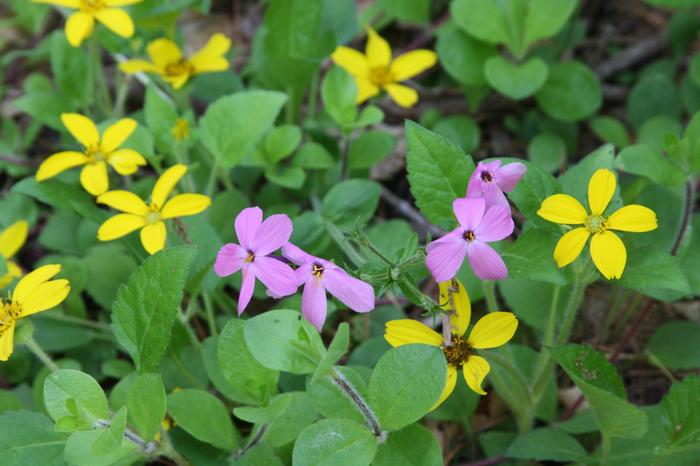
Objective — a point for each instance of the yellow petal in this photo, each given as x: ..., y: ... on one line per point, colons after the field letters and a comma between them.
x: 449, y: 386
x: 460, y: 319
x: 609, y: 254
x: 12, y: 238
x: 121, y: 2
x: 153, y: 237
x: 178, y: 81
x: 79, y: 27
x: 32, y: 280
x: 633, y: 217
x: 407, y: 331
x: 163, y: 52
x: 125, y: 201
x: 94, y: 178
x: 13, y: 271
x: 377, y: 50
x: 166, y: 183
x: 351, y: 61
x: 115, y: 135
x: 475, y: 371
x: 412, y: 63
x: 493, y: 330
x: 601, y: 189
x: 126, y: 161
x: 402, y: 95
x: 137, y: 66
x: 7, y: 343
x: 570, y: 245
x: 117, y: 20
x: 365, y: 89
x: 58, y: 163
x: 184, y: 205
x: 562, y: 208
x: 82, y: 128
x: 64, y: 3
x: 119, y: 225
x: 211, y: 56
x: 46, y: 296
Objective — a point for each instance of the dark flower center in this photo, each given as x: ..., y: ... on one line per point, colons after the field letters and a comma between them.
x: 178, y: 68
x: 251, y: 257
x: 458, y: 353
x: 486, y: 176
x: 317, y: 270
x: 9, y: 313
x: 469, y: 235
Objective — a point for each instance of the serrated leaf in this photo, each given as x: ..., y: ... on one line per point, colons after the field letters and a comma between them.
x: 653, y: 269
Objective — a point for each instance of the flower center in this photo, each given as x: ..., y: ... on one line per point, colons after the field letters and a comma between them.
x: 91, y: 6
x: 152, y: 217
x: 178, y: 68
x: 9, y: 313
x: 380, y: 76
x: 181, y: 130
x: 458, y: 353
x: 486, y: 176
x: 317, y: 270
x: 469, y: 235
x: 95, y: 155
x: 251, y: 257
x: 595, y: 224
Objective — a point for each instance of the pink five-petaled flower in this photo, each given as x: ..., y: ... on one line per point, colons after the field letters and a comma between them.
x: 490, y: 180
x: 258, y: 240
x: 320, y: 275
x: 477, y: 226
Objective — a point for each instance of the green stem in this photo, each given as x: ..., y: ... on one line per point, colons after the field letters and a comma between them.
x: 180, y: 153
x: 190, y: 332
x: 552, y: 318
x: 338, y: 236
x: 34, y: 347
x: 605, y: 450
x: 211, y: 318
x: 77, y: 321
x: 359, y: 402
x: 211, y: 183
x: 313, y: 94
x: 121, y: 94
x: 490, y: 295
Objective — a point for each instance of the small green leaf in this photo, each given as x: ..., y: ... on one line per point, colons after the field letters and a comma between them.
x: 531, y: 257
x: 28, y: 438
x: 462, y: 56
x: 281, y: 142
x: 653, y: 95
x: 548, y: 444
x: 147, y: 404
x: 513, y: 80
x: 112, y: 437
x: 74, y: 394
x: 369, y: 148
x: 644, y: 160
x: 681, y: 407
x: 545, y: 18
x: 461, y: 130
x: 336, y: 350
x: 334, y: 442
x: 339, y: 94
x: 314, y: 156
x: 612, y: 130
x: 482, y: 19
x: 674, y: 344
x: 572, y: 92
x: 351, y: 202
x: 204, y: 417
x: 547, y: 150
x: 413, y: 446
x: 652, y: 269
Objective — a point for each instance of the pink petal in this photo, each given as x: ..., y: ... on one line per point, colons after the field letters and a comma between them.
x: 453, y: 236
x: 247, y: 287
x: 486, y: 262
x: 476, y: 185
x: 496, y: 225
x: 445, y: 258
x: 469, y: 211
x: 313, y: 302
x: 302, y: 273
x: 509, y: 175
x: 247, y: 223
x: 276, y: 275
x: 354, y: 293
x: 229, y: 260
x: 296, y: 254
x: 272, y: 234
x: 494, y: 196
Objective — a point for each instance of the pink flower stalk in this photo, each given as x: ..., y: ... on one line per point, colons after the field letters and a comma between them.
x: 489, y: 180
x: 319, y: 276
x: 477, y: 226
x: 258, y: 240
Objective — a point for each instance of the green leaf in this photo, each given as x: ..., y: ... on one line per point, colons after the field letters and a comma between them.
x: 295, y: 414
x: 548, y: 151
x: 438, y: 172
x: 339, y: 94
x: 351, y: 202
x: 534, y: 187
x: 29, y: 438
x: 575, y: 181
x: 681, y: 407
x: 545, y: 18
x: 336, y: 350
x: 654, y: 95
x: 331, y: 401
x: 72, y: 394
x: 281, y: 142
x: 250, y: 381
x: 69, y: 69
x: 79, y: 451
x: 145, y: 308
x: 147, y: 404
x: 530, y: 300
x: 516, y: 80
x: 112, y: 437
x: 204, y: 417
x: 651, y: 269
x: 406, y: 383
x: 603, y: 388
x: 610, y: 129
x: 160, y: 116
x: 548, y: 444
x: 461, y: 130
x: 572, y: 92
x: 462, y: 56
x: 288, y: 177
x: 334, y: 442
x: 531, y: 257
x: 674, y: 344
x: 483, y: 19
x: 413, y: 446
x: 314, y: 156
x: 414, y: 11
x: 233, y: 125
x: 369, y: 148
x: 644, y: 160
x: 283, y: 340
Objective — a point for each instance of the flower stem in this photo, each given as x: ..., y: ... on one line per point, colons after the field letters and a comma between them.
x: 34, y: 347
x: 209, y: 309
x: 361, y: 404
x: 490, y: 295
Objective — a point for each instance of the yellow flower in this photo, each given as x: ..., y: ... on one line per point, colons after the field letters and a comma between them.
x: 150, y: 217
x: 181, y: 130
x: 376, y: 70
x: 11, y: 240
x: 168, y: 62
x: 81, y: 23
x: 491, y: 331
x: 36, y: 292
x: 607, y: 249
x: 99, y: 152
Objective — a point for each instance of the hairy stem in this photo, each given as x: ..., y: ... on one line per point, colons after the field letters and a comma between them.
x: 359, y: 402
x: 34, y: 347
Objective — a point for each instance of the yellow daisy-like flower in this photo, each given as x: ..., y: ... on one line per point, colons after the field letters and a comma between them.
x: 607, y: 249
x: 36, y: 292
x: 81, y: 23
x: 99, y: 152
x: 181, y: 130
x: 493, y: 330
x: 150, y: 217
x: 11, y: 240
x: 168, y: 62
x: 376, y: 70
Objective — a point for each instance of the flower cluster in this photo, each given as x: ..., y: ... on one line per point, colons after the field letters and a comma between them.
x: 253, y: 257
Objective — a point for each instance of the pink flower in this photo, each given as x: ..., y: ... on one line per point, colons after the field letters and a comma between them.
x: 320, y: 275
x: 477, y: 226
x: 489, y: 180
x: 258, y: 240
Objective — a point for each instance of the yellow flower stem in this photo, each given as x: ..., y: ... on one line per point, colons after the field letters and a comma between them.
x: 34, y: 347
x: 490, y: 295
x: 181, y: 155
x: 359, y: 402
x: 122, y: 93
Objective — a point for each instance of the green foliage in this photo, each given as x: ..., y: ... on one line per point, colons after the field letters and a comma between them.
x: 571, y: 93
x: 147, y: 404
x: 516, y: 81
x: 547, y: 444
x: 672, y: 345
x: 74, y: 400
x: 335, y: 442
x: 412, y: 446
x: 203, y: 416
x: 27, y: 437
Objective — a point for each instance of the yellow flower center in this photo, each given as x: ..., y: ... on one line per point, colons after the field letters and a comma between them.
x: 152, y: 217
x: 95, y: 154
x: 251, y: 257
x: 458, y: 353
x: 596, y: 224
x: 9, y: 313
x: 380, y: 76
x: 178, y: 68
x: 469, y: 235
x: 317, y: 270
x: 91, y: 6
x: 181, y: 130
